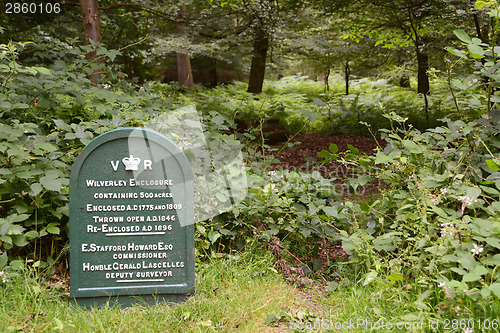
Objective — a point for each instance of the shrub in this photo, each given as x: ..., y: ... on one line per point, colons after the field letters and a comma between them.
x: 437, y: 224
x: 49, y: 112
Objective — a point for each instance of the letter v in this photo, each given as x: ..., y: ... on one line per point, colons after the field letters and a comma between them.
x: 115, y: 166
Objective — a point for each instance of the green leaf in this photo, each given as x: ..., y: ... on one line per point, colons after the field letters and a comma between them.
x: 459, y: 270
x: 324, y: 153
x: 59, y: 324
x: 18, y: 218
x: 462, y: 35
x: 495, y: 288
x: 353, y: 149
x: 298, y: 207
x: 36, y: 289
x: 17, y: 265
x: 490, y: 190
x: 459, y: 285
x: 53, y: 228
x: 485, y: 293
x: 421, y: 243
x: 430, y: 183
x: 385, y: 241
x: 50, y: 183
x: 439, y: 211
x: 32, y: 234
x: 493, y: 242
x: 111, y: 54
x: 6, y: 239
x: 61, y: 124
x: 395, y: 277
x: 318, y: 102
x: 481, y: 270
x: 495, y: 260
x: 476, y: 51
x: 36, y: 188
x: 382, y: 158
x: 20, y: 106
x: 492, y: 165
x: 47, y: 146
x: 43, y: 70
x: 369, y: 277
x: 19, y: 240
x: 411, y: 146
x: 473, y: 192
x: 213, y: 236
x: 15, y: 229
x: 333, y: 148
x: 450, y: 258
x: 455, y: 52
x: 331, y: 211
x: 270, y: 319
x: 365, y: 207
x: 3, y: 260
x: 5, y: 105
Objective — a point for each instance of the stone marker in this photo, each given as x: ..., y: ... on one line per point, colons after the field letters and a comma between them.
x: 131, y: 220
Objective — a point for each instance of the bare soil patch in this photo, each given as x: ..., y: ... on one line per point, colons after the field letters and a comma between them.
x: 311, y: 144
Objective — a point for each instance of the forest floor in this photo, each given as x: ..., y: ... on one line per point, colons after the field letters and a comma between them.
x: 311, y: 144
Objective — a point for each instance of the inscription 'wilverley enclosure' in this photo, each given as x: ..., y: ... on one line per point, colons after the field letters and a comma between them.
x: 131, y: 220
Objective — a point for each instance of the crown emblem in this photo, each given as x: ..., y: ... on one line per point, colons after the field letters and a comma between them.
x: 131, y: 163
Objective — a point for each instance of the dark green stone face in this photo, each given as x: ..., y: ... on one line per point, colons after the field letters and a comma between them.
x: 131, y: 220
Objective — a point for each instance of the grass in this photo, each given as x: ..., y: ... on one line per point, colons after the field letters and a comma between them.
x: 240, y: 292
x: 235, y: 293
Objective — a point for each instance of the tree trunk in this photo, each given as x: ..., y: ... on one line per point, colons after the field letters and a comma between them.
x: 184, y: 71
x: 422, y: 77
x: 258, y: 68
x: 325, y: 80
x: 213, y: 72
x: 91, y: 24
x: 477, y: 25
x: 92, y: 31
x: 347, y: 72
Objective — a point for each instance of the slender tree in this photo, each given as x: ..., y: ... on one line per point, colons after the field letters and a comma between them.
x: 91, y: 23
x: 184, y: 71
x: 92, y: 31
x: 268, y: 17
x: 258, y: 67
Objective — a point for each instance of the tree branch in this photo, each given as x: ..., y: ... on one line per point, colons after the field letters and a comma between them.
x: 118, y: 5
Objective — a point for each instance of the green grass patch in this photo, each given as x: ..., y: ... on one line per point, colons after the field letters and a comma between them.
x: 235, y: 293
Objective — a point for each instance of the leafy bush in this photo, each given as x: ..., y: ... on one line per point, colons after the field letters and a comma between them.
x: 34, y: 169
x: 297, y: 207
x: 438, y: 222
x: 370, y: 100
x: 293, y: 108
x: 49, y: 111
x: 302, y: 105
x: 436, y: 228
